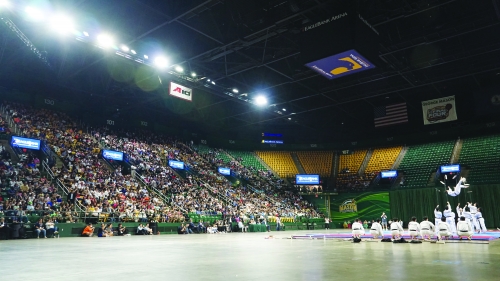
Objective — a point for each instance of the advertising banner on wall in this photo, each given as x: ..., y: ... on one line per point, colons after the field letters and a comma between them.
x: 180, y: 91
x: 439, y: 110
x: 365, y: 206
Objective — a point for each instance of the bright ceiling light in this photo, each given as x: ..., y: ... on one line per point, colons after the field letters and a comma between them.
x: 104, y: 40
x: 235, y: 91
x: 193, y: 74
x: 124, y: 48
x: 146, y: 57
x: 289, y: 118
x: 133, y: 52
x: 4, y: 3
x: 161, y: 62
x: 284, y: 109
x: 62, y: 24
x: 33, y: 13
x: 213, y: 82
x: 179, y: 68
x: 260, y: 100
x: 86, y: 33
x: 208, y: 80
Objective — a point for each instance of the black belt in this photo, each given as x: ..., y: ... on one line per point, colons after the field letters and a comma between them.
x: 373, y: 229
x: 413, y: 230
x: 463, y: 231
x: 480, y: 217
x: 355, y: 229
x: 443, y: 229
x: 395, y: 229
x: 425, y: 229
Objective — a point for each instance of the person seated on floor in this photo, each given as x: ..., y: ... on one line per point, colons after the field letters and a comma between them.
x: 4, y: 229
x: 88, y: 231
x: 191, y: 227
x: 147, y: 230
x: 51, y: 228
x: 201, y: 227
x: 39, y: 228
x: 109, y: 230
x: 181, y: 229
x: 121, y: 231
x: 101, y: 231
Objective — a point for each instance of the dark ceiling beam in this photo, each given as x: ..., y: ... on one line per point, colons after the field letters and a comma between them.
x: 199, y: 31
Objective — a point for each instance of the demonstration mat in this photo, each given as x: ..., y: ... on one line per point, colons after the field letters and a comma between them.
x: 487, y: 236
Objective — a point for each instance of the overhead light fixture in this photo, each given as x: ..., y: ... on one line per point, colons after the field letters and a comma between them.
x: 161, y: 62
x: 284, y: 109
x: 213, y: 82
x: 86, y: 33
x: 4, y: 3
x: 62, y: 24
x: 208, y: 80
x: 133, y: 52
x: 289, y: 118
x: 235, y: 91
x: 260, y: 100
x: 124, y: 48
x: 193, y: 74
x: 33, y: 13
x: 146, y: 57
x: 104, y: 40
x: 179, y: 68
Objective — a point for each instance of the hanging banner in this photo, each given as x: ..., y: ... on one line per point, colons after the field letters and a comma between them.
x: 439, y: 110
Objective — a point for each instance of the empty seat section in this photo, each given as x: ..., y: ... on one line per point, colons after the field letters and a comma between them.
x: 482, y: 156
x: 316, y: 162
x: 280, y: 161
x: 421, y: 160
x: 382, y: 159
x: 248, y: 159
x: 348, y: 168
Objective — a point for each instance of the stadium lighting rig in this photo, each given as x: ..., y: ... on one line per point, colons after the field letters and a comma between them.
x: 64, y: 24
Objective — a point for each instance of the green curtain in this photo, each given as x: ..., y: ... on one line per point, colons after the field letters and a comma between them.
x: 421, y: 202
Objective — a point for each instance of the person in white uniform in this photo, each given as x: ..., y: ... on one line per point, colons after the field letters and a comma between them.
x: 473, y: 211
x: 450, y: 218
x: 357, y: 229
x: 464, y: 229
x: 396, y: 229
x: 437, y: 216
x: 468, y: 216
x: 413, y: 228
x: 460, y: 211
x: 480, y: 220
x: 427, y: 228
x: 376, y: 230
x: 455, y: 192
x: 443, y: 229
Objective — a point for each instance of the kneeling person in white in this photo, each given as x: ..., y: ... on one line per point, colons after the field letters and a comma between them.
x: 443, y: 229
x: 464, y: 228
x: 357, y: 229
x: 414, y: 228
x: 396, y: 229
x: 427, y: 228
x: 376, y: 230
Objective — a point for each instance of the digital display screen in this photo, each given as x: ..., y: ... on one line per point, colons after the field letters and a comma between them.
x: 272, y: 135
x: 340, y: 64
x: 273, y: 141
x: 25, y: 143
x: 112, y: 155
x: 225, y: 171
x: 389, y: 174
x: 176, y: 164
x: 450, y: 169
x: 306, y: 179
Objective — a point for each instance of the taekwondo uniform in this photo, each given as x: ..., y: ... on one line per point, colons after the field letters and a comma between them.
x: 453, y: 224
x: 473, y: 211
x: 396, y: 229
x: 443, y: 229
x: 376, y: 230
x: 468, y: 217
x: 449, y: 219
x: 414, y: 229
x: 464, y: 229
x: 457, y: 189
x: 437, y: 218
x: 480, y: 221
x: 427, y: 228
x: 357, y: 229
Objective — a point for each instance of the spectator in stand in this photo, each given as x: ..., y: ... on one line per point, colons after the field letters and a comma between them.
x: 51, y: 228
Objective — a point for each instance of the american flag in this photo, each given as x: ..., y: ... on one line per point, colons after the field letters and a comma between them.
x: 391, y: 114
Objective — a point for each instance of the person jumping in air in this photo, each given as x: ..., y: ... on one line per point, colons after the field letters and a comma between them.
x: 461, y: 184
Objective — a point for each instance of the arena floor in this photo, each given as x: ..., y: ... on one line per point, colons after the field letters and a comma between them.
x: 243, y: 256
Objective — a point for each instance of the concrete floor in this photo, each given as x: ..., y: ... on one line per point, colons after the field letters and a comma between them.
x: 240, y: 256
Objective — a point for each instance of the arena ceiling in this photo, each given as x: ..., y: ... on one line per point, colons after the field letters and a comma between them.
x: 427, y: 49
